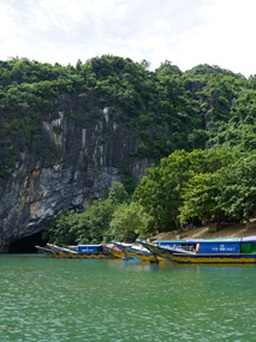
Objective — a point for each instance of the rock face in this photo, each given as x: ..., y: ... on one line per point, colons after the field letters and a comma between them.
x: 84, y: 157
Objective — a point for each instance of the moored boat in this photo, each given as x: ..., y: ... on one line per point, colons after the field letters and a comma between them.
x: 122, y: 246
x: 136, y: 251
x: 83, y: 251
x: 128, y: 251
x: 44, y: 250
x: 229, y: 250
x: 114, y: 251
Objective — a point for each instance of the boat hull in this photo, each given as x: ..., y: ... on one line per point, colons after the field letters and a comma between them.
x: 115, y: 252
x: 214, y: 259
x: 59, y: 255
x: 146, y: 256
x: 142, y: 256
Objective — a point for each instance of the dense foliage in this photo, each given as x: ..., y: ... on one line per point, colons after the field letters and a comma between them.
x: 103, y: 220
x: 198, y: 125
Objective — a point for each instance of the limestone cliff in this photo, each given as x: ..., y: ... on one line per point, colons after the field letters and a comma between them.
x: 77, y: 159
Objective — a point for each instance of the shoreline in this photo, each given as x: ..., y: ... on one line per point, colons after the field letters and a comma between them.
x: 210, y: 231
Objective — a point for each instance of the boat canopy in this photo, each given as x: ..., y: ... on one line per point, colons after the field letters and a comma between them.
x: 218, y: 240
x: 170, y: 243
x: 248, y: 244
x: 89, y: 248
x: 249, y: 238
x: 219, y: 246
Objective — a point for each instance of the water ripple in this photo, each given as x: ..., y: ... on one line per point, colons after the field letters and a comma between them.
x: 73, y: 300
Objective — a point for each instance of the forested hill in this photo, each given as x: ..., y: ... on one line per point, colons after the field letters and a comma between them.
x: 167, y: 109
x: 68, y: 132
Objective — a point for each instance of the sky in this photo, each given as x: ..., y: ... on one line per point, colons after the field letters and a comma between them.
x: 185, y: 32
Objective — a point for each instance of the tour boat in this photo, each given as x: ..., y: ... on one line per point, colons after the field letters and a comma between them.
x: 123, y: 246
x: 82, y: 251
x: 137, y: 252
x: 209, y: 251
x: 114, y: 251
x: 44, y: 250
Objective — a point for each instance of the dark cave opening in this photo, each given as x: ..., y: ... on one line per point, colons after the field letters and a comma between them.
x: 27, y: 244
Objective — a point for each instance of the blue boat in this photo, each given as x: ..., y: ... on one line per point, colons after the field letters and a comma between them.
x: 188, y: 245
x: 82, y: 251
x: 221, y: 251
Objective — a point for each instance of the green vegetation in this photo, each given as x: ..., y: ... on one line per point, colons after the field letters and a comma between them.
x: 103, y: 220
x: 198, y: 127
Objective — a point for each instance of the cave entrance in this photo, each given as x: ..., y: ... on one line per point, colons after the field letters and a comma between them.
x: 27, y: 244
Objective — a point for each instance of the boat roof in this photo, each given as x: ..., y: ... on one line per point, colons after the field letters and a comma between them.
x: 219, y: 240
x: 170, y: 241
x: 249, y: 238
x: 211, y: 240
x: 89, y: 245
x: 125, y: 244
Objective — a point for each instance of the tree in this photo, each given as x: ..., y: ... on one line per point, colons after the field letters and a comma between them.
x: 160, y: 192
x: 94, y: 221
x: 238, y: 187
x: 225, y: 194
x: 117, y: 193
x: 181, y: 177
x: 63, y: 228
x: 129, y: 221
x: 200, y: 198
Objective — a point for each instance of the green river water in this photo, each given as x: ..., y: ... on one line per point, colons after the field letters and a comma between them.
x: 58, y: 300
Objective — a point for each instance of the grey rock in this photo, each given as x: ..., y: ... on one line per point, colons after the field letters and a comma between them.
x: 84, y: 158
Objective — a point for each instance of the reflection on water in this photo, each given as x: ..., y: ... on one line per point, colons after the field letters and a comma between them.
x: 135, y: 266
x: 112, y: 300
